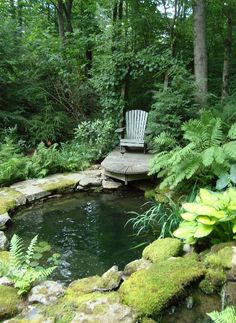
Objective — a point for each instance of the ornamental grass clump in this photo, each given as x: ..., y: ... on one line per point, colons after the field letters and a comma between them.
x: 212, y: 216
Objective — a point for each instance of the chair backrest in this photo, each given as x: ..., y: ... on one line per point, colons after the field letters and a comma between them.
x: 135, y: 124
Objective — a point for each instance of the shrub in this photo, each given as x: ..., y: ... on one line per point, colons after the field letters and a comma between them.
x: 12, y: 162
x: 211, y: 216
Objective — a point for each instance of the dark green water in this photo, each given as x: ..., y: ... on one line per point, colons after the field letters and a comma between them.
x: 86, y: 229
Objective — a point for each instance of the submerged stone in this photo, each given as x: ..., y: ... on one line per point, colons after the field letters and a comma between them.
x: 162, y: 249
x: 150, y: 291
x: 10, y: 302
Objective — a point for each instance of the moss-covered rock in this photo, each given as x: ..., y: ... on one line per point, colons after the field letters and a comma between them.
x: 59, y: 186
x: 10, y: 302
x: 84, y: 285
x: 150, y: 291
x: 136, y: 265
x: 213, y: 281
x: 220, y: 259
x: 9, y: 199
x: 162, y: 249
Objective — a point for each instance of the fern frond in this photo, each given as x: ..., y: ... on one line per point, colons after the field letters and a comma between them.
x: 30, y: 250
x: 232, y: 132
x: 230, y: 150
x: 208, y: 156
x: 217, y: 133
x: 17, y: 258
x: 226, y: 316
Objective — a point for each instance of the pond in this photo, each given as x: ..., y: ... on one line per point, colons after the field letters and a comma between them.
x: 88, y: 230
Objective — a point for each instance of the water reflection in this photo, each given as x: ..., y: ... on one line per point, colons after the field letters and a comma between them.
x: 87, y: 230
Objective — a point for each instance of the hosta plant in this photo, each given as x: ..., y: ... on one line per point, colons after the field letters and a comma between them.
x: 212, y: 215
x: 20, y: 268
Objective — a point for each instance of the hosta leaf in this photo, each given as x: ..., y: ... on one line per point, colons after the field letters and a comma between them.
x: 207, y: 197
x: 206, y: 220
x: 199, y: 209
x: 219, y: 214
x: 223, y: 181
x: 232, y: 194
x: 234, y: 228
x: 188, y: 216
x: 233, y: 173
x: 185, y: 231
x: 203, y: 230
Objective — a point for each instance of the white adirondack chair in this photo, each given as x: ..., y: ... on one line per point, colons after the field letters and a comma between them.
x: 133, y: 134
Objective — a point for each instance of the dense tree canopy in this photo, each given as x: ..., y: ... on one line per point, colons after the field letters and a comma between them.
x: 65, y: 61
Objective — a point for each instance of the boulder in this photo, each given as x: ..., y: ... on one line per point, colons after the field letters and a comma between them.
x: 151, y: 290
x: 10, y: 302
x: 110, y: 280
x: 230, y: 293
x: 4, y: 243
x: 213, y: 281
x: 104, y: 310
x: 90, y: 181
x: 111, y: 185
x: 4, y: 218
x: 46, y: 293
x: 136, y: 265
x: 162, y: 249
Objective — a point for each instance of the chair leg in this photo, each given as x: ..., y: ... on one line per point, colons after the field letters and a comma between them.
x: 145, y: 148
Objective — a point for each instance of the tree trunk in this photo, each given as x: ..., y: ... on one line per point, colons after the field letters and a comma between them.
x: 200, y: 51
x: 68, y: 14
x: 89, y: 62
x: 227, y: 53
x: 61, y: 21
x: 20, y: 15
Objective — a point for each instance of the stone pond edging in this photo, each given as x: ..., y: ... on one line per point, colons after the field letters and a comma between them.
x: 32, y: 190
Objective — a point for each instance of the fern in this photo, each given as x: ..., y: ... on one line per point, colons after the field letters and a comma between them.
x: 232, y: 132
x: 207, y: 152
x: 226, y: 316
x: 19, y: 269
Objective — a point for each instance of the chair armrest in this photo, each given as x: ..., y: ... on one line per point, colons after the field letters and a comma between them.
x: 120, y: 130
x: 148, y: 132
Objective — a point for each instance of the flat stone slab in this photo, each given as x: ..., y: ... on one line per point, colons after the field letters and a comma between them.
x: 128, y: 163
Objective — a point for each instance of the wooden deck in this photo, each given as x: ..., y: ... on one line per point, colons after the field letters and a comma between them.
x: 127, y: 167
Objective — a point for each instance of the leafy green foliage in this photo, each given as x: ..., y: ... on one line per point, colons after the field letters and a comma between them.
x: 19, y: 268
x: 228, y: 315
x: 171, y: 108
x: 208, y: 153
x: 12, y: 162
x: 211, y: 216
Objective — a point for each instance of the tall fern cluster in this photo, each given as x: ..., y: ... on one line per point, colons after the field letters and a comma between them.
x: 209, y: 152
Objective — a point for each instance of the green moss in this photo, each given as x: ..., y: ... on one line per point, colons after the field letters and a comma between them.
x: 150, y: 291
x: 213, y: 282
x: 85, y: 285
x: 221, y: 259
x: 4, y: 255
x: 162, y: 249
x: 9, y: 301
x: 8, y: 198
x: 59, y: 186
